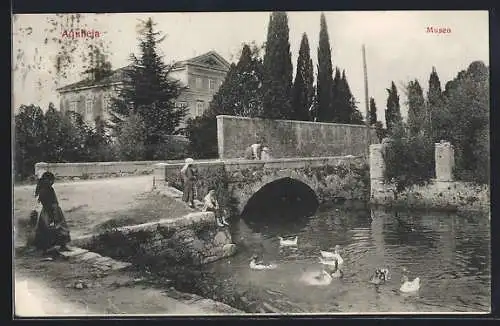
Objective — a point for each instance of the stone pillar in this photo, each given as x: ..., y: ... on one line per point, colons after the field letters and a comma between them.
x: 377, y: 165
x: 159, y: 172
x: 220, y: 135
x: 377, y: 168
x: 445, y: 161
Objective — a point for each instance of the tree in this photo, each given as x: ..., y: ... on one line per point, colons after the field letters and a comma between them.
x: 325, y: 85
x: 98, y: 65
x: 99, y: 142
x: 346, y: 110
x: 435, y: 107
x: 150, y: 93
x: 467, y: 112
x: 70, y: 53
x: 278, y: 69
x: 392, y: 112
x: 337, y: 97
x: 29, y: 139
x: 132, y: 138
x: 373, y: 112
x: 55, y: 137
x: 416, y: 108
x: 303, y: 88
x: 247, y: 90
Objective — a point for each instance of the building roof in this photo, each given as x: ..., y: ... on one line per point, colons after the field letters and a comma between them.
x: 211, y: 60
x: 115, y: 76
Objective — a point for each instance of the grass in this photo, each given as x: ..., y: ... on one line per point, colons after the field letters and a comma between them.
x: 150, y: 208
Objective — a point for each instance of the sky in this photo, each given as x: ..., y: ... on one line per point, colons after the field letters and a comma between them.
x: 398, y: 47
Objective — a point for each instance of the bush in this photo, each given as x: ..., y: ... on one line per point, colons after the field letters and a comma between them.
x: 408, y: 160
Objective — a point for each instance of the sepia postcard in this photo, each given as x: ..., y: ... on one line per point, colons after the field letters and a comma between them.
x: 251, y: 163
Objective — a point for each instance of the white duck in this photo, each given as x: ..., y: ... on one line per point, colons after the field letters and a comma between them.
x: 410, y: 286
x: 328, y: 255
x: 289, y: 242
x: 323, y: 278
x: 259, y: 265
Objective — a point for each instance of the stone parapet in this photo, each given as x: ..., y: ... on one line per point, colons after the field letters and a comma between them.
x: 192, y: 239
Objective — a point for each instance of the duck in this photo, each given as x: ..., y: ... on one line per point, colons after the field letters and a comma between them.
x: 259, y: 265
x: 380, y: 276
x: 330, y: 261
x: 333, y: 255
x: 410, y: 286
x: 288, y: 242
x: 336, y: 271
x: 324, y: 276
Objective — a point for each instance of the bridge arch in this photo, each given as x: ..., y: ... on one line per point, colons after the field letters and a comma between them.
x: 275, y: 190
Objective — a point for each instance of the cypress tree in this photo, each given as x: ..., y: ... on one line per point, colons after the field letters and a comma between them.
x: 337, y: 97
x: 325, y: 71
x: 373, y: 111
x: 303, y: 88
x: 247, y: 100
x: 416, y: 108
x: 392, y: 111
x: 435, y: 103
x: 278, y: 69
x: 150, y: 93
x: 348, y: 112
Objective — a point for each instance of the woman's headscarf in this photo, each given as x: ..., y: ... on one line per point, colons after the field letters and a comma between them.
x: 188, y: 161
x: 46, y: 180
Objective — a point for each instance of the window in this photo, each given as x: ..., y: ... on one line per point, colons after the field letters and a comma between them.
x: 72, y: 106
x: 200, y: 106
x: 199, y: 82
x: 182, y: 104
x: 211, y: 83
x: 89, y: 108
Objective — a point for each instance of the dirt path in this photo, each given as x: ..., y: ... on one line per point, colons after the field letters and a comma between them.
x: 91, y: 205
x: 47, y: 288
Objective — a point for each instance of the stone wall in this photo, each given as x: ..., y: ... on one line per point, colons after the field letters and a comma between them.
x: 442, y: 192
x: 236, y: 181
x: 331, y: 178
x: 210, y: 174
x: 287, y: 138
x: 192, y: 239
x: 92, y: 170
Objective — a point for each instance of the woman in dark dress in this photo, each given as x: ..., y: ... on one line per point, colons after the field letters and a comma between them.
x: 51, y: 229
x: 189, y: 178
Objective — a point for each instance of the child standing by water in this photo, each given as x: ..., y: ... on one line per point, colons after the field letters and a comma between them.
x: 189, y: 179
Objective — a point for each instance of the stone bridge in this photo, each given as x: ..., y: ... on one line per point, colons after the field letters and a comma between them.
x: 237, y: 181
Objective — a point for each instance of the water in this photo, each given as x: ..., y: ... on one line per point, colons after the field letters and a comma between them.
x: 449, y: 252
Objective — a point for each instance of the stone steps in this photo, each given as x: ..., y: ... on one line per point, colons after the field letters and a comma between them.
x: 102, y: 263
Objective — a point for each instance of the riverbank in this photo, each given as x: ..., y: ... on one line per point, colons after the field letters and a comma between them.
x: 93, y: 206
x: 68, y: 288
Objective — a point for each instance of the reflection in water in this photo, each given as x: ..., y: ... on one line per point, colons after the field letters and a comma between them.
x: 450, y: 253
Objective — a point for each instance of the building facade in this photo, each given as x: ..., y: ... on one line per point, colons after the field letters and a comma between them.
x: 202, y: 76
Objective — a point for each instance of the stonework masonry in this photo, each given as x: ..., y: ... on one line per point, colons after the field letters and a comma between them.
x: 442, y: 192
x: 236, y: 181
x: 192, y: 239
x: 287, y: 138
